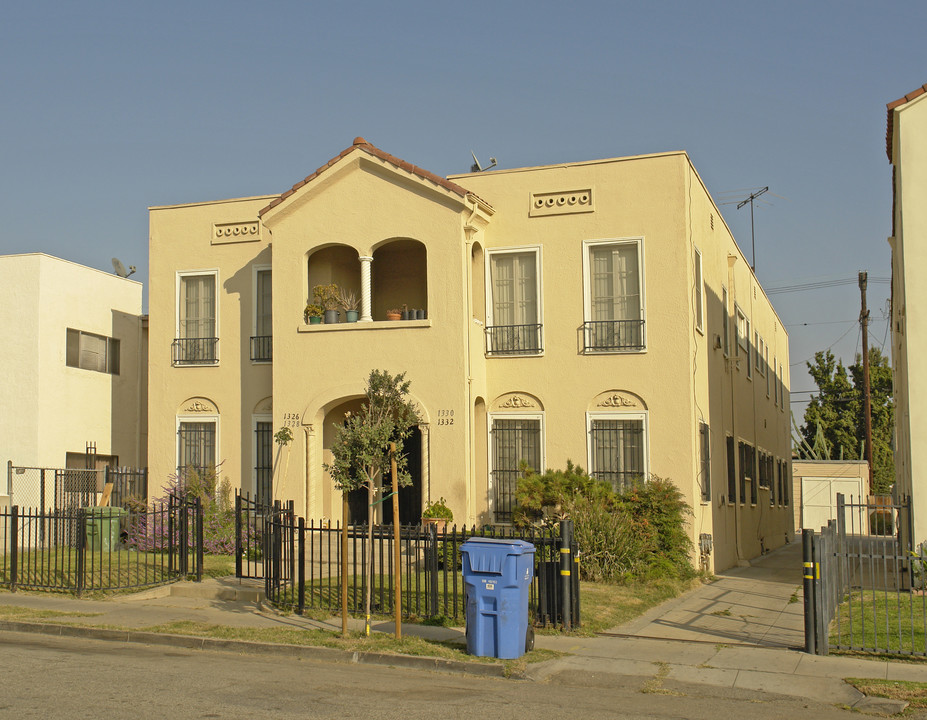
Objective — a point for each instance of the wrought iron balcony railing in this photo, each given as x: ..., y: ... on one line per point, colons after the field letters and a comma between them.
x: 514, y: 339
x: 613, y: 335
x: 195, y: 351
x: 262, y: 348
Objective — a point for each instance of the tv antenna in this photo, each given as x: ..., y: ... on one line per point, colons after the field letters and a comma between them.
x: 753, y: 196
x: 476, y: 167
x: 120, y: 269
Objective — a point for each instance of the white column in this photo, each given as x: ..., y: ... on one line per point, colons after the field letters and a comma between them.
x: 365, y: 289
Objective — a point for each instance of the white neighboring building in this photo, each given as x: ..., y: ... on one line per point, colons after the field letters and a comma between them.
x: 74, y: 374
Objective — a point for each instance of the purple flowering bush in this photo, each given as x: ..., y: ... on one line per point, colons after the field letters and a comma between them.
x: 149, y: 529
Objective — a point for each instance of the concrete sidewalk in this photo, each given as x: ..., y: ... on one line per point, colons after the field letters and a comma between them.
x: 742, y: 632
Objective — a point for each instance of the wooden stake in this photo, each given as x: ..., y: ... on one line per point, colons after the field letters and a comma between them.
x: 397, y: 571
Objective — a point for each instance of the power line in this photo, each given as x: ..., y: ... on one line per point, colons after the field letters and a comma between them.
x: 820, y: 284
x: 791, y: 365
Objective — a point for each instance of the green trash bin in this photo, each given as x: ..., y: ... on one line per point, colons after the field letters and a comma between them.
x: 103, y: 525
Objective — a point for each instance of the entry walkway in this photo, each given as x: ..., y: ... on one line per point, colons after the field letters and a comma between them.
x: 757, y: 605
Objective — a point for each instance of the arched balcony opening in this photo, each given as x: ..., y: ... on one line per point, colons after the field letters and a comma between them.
x: 338, y: 264
x: 399, y: 277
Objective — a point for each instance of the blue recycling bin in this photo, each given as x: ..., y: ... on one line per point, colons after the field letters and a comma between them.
x: 497, y: 577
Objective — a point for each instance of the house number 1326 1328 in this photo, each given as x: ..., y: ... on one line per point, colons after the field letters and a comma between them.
x: 445, y: 417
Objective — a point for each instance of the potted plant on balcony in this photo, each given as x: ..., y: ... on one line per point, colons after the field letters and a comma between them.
x: 327, y: 296
x: 394, y: 314
x: 349, y: 301
x: 438, y: 514
x: 313, y: 314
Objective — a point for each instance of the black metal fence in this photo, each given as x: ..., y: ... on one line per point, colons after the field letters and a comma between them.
x: 864, y: 581
x: 301, y: 564
x: 100, y: 548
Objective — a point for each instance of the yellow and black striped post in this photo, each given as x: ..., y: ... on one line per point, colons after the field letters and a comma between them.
x: 566, y: 565
x: 807, y: 540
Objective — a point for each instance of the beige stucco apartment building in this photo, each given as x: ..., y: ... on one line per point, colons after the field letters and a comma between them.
x: 907, y: 151
x: 595, y: 311
x: 74, y: 373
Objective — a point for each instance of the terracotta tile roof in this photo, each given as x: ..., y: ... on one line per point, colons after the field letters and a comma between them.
x: 890, y: 125
x: 361, y: 145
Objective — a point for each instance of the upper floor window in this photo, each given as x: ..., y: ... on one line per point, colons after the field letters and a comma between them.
x: 699, y: 298
x: 614, y: 302
x: 513, y: 324
x: 262, y: 339
x: 197, y: 341
x: 92, y: 352
x: 726, y: 324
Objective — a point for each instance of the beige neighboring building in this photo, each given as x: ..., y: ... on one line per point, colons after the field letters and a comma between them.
x: 907, y: 152
x: 74, y: 376
x: 816, y: 484
x: 595, y: 311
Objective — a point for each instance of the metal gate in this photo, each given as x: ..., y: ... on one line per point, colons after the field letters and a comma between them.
x: 864, y: 581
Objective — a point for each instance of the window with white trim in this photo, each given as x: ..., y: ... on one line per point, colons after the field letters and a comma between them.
x: 262, y: 452
x: 92, y: 352
x: 726, y: 323
x: 617, y: 448
x: 614, y: 296
x: 699, y: 293
x: 514, y: 440
x: 196, y: 342
x: 262, y: 331
x: 766, y: 367
x: 705, y: 459
x: 196, y: 444
x: 513, y: 322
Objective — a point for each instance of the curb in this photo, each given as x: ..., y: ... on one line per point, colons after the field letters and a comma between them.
x: 320, y: 654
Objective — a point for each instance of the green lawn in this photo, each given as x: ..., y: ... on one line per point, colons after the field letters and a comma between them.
x: 57, y: 568
x: 890, y: 622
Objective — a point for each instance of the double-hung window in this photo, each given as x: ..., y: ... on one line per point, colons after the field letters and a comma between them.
x: 197, y: 339
x: 262, y: 339
x: 618, y: 448
x: 614, y: 298
x: 514, y: 315
x: 92, y: 352
x: 514, y: 441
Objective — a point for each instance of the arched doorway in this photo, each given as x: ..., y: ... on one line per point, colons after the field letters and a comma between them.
x: 410, y: 497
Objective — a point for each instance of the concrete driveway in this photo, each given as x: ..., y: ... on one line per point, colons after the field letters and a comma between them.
x: 757, y: 605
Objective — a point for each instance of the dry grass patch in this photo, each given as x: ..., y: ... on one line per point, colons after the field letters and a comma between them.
x: 914, y: 693
x: 14, y: 612
x: 605, y: 606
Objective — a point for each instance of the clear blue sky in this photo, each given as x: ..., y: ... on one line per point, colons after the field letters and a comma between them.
x: 112, y: 107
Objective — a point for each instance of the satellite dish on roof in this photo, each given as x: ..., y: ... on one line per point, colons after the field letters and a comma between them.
x: 120, y: 269
x: 476, y: 167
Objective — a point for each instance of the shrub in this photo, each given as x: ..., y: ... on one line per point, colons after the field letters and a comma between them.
x: 218, y: 513
x: 637, y: 534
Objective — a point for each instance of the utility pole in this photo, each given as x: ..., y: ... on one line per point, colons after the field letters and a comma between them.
x: 867, y: 408
x: 753, y: 196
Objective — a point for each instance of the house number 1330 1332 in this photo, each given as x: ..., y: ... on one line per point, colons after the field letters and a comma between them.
x: 445, y: 417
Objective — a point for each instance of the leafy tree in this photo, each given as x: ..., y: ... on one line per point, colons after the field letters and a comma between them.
x: 835, y: 425
x: 362, y: 446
